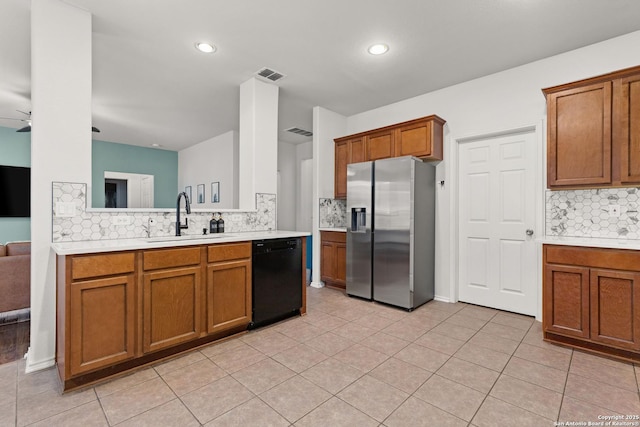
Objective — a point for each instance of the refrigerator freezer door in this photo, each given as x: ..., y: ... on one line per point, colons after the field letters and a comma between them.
x: 359, y: 228
x: 392, y: 260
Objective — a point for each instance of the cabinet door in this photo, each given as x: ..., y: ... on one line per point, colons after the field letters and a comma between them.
x: 566, y: 300
x: 102, y: 325
x: 357, y: 150
x: 328, y: 261
x: 615, y: 301
x: 627, y: 127
x: 228, y: 295
x: 171, y: 307
x: 340, y: 177
x: 579, y: 136
x: 414, y: 140
x: 341, y: 264
x: 380, y: 145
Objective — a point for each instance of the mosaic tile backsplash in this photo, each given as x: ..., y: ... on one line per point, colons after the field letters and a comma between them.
x: 99, y: 225
x: 333, y: 213
x: 585, y: 213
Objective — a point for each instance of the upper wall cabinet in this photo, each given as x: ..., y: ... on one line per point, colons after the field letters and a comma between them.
x: 593, y: 131
x: 420, y: 138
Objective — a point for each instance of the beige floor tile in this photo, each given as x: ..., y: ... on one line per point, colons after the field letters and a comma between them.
x: 544, y: 356
x: 577, y: 410
x: 401, y: 375
x: 422, y: 357
x: 600, y: 394
x: 8, y: 414
x: 8, y: 383
x: 513, y: 320
x: 38, y: 382
x: 442, y: 343
x: 534, y: 373
x: 391, y: 313
x: 404, y: 332
x: 495, y: 413
x: 533, y: 398
x: 483, y: 356
x: 125, y: 382
x: 330, y: 343
x: 295, y: 398
x: 447, y: 307
x: 332, y: 375
x: 503, y: 331
x: 271, y: 343
x: 127, y: 403
x: 417, y: 413
x: 350, y: 314
x: 384, y: 343
x: 300, y: 357
x: 375, y: 321
x: 222, y: 347
x: 263, y: 375
x: 43, y: 405
x: 456, y: 399
x: 469, y: 374
x: 238, y: 358
x: 454, y: 331
x: 373, y: 397
x: 302, y: 331
x: 421, y: 323
x: 324, y: 321
x: 194, y: 376
x: 354, y: 331
x: 216, y: 398
x: 482, y: 313
x: 534, y: 337
x: 179, y: 362
x: 470, y: 322
x: 610, y: 372
x: 89, y: 414
x: 336, y: 413
x: 254, y: 413
x: 637, y: 368
x: 494, y: 342
x: 432, y: 314
x: 171, y: 414
x: 361, y: 357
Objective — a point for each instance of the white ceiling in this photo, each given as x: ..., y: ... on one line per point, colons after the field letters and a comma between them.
x: 150, y: 85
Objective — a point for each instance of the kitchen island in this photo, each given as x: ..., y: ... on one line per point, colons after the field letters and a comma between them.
x: 122, y: 304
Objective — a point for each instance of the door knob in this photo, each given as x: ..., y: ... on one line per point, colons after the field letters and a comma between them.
x: 529, y: 232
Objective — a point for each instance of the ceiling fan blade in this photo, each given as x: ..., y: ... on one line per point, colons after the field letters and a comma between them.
x: 25, y: 129
x: 24, y: 112
x: 11, y: 118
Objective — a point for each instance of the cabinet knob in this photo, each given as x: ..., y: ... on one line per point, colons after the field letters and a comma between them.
x: 529, y: 232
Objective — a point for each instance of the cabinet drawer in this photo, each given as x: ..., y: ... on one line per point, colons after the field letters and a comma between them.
x: 617, y: 259
x: 228, y: 252
x: 83, y: 267
x: 167, y: 258
x: 333, y: 236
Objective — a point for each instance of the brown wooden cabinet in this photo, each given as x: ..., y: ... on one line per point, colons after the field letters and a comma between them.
x: 591, y: 298
x: 593, y: 131
x: 228, y: 286
x: 333, y: 258
x: 420, y: 138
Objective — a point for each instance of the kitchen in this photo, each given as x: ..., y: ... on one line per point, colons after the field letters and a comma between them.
x: 501, y: 102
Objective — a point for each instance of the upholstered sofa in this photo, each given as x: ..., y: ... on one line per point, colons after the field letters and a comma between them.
x: 15, y: 276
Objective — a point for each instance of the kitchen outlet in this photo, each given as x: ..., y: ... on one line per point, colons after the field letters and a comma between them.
x: 121, y: 220
x: 614, y: 211
x: 65, y: 209
x: 236, y: 217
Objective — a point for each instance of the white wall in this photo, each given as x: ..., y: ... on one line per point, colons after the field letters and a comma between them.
x: 304, y: 151
x: 498, y: 102
x: 327, y: 125
x: 286, y: 200
x: 213, y: 160
x: 60, y: 147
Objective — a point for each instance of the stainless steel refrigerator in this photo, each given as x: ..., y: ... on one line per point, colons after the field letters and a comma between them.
x: 391, y: 231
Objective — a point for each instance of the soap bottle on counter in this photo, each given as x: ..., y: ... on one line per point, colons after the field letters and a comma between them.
x: 220, y: 224
x: 213, y: 224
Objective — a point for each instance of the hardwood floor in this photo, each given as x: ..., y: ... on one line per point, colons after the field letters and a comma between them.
x: 14, y: 341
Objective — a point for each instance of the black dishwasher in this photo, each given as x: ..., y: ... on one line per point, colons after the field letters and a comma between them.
x: 276, y: 280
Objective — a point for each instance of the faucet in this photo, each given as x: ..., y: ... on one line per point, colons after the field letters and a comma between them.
x: 187, y: 208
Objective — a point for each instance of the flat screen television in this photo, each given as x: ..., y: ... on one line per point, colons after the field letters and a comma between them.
x: 15, y: 191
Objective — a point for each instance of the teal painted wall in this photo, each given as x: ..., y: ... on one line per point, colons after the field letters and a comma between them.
x: 15, y: 150
x: 162, y: 164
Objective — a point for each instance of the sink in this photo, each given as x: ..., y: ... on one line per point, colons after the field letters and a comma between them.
x: 187, y: 237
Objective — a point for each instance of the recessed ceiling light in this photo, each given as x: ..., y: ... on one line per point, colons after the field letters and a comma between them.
x: 378, y: 49
x: 205, y: 47
x: 156, y: 145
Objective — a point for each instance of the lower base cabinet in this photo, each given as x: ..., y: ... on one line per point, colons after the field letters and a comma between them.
x: 333, y: 259
x: 591, y: 299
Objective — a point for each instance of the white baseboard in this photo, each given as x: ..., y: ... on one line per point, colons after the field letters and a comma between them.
x: 317, y: 285
x: 33, y: 366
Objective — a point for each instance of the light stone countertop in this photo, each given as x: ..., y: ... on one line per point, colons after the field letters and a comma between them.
x: 95, y: 246
x: 338, y: 229
x: 591, y: 242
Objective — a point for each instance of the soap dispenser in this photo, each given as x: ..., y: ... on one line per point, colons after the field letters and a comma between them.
x: 213, y: 224
x: 220, y: 224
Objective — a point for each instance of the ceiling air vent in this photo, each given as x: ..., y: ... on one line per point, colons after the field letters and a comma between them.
x: 299, y: 131
x: 270, y: 75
